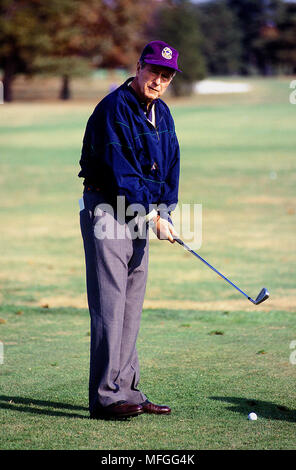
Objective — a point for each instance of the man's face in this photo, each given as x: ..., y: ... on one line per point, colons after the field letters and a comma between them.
x: 152, y: 81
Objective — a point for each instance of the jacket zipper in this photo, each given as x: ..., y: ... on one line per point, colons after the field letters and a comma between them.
x: 157, y: 127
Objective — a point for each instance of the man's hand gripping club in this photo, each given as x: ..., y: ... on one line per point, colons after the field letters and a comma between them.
x: 163, y: 229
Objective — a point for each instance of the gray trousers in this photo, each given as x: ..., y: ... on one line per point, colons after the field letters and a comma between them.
x: 116, y: 275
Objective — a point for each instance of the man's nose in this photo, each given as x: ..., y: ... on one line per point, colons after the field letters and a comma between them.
x: 157, y: 80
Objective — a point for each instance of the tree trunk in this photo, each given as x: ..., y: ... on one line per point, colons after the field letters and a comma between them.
x: 65, y: 93
x: 8, y: 77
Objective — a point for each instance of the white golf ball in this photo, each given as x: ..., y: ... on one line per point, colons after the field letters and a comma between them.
x: 252, y: 416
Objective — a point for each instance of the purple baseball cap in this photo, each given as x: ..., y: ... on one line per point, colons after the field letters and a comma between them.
x: 160, y: 53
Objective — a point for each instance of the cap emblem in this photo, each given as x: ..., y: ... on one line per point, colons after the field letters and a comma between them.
x: 167, y: 53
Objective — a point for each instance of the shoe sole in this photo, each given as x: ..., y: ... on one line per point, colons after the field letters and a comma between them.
x: 119, y: 416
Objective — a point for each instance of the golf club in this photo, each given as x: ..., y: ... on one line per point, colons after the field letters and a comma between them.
x: 263, y: 294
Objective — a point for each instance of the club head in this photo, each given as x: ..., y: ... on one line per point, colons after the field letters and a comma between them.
x: 263, y: 295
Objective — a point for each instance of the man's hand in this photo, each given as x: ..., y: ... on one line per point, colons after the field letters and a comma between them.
x: 163, y: 229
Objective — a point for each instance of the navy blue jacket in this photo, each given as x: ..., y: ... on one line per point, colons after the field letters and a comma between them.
x: 125, y: 155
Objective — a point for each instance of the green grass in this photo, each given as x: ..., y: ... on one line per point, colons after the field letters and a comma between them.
x: 211, y: 381
x: 204, y: 350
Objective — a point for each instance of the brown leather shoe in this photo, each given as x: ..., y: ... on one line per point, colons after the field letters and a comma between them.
x: 118, y: 410
x: 149, y: 407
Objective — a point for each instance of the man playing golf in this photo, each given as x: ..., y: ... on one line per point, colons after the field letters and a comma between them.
x: 130, y: 151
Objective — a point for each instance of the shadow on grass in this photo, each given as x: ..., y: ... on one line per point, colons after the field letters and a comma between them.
x: 42, y: 407
x: 264, y: 409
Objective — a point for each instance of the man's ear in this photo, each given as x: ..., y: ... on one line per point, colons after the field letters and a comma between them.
x: 138, y: 67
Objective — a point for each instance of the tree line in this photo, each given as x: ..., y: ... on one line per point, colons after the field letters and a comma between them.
x: 68, y: 38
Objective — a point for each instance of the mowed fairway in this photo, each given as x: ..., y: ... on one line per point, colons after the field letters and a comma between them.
x: 204, y: 349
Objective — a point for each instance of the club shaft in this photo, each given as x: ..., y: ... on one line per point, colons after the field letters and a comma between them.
x: 212, y: 267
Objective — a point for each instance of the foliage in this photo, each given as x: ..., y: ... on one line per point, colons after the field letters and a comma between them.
x: 221, y: 38
x: 111, y: 30
x: 176, y: 23
x: 258, y: 24
x: 27, y: 29
x: 284, y: 43
x: 68, y: 37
